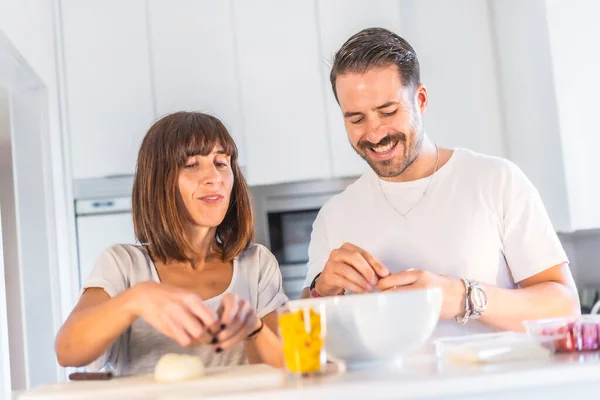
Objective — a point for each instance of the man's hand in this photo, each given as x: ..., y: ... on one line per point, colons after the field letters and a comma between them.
x: 453, y: 288
x: 351, y: 268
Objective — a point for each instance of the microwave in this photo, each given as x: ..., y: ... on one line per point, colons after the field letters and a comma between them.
x: 284, y: 217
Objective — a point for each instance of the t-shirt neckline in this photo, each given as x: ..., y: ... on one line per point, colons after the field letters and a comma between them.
x: 213, y: 299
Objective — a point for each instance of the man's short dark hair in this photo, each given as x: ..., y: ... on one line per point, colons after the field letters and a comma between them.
x: 374, y: 48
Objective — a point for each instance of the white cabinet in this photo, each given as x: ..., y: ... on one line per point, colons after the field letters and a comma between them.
x: 281, y: 91
x: 194, y: 60
x: 108, y: 87
x: 454, y: 44
x: 337, y: 22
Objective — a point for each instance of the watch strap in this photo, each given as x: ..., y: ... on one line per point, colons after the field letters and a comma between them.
x: 463, y: 319
x: 313, y: 291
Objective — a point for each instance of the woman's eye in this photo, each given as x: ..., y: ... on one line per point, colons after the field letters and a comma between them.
x: 191, y: 166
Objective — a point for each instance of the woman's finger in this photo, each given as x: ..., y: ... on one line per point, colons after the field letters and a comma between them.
x: 196, y: 305
x: 234, y: 325
x: 175, y: 330
x: 245, y: 327
x: 230, y: 306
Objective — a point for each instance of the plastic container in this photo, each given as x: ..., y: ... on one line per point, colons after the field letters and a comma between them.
x: 302, y: 330
x: 573, y: 334
x: 494, y: 347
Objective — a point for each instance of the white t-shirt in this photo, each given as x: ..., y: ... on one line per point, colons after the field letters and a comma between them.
x: 481, y: 219
x: 256, y: 278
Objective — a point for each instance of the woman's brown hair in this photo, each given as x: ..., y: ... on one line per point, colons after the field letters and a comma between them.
x: 158, y: 216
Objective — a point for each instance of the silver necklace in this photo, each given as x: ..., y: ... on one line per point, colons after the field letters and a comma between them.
x: 437, y: 158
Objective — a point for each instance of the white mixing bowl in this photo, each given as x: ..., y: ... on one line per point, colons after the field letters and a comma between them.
x: 376, y: 328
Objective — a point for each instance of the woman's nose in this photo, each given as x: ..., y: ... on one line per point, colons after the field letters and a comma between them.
x: 211, y: 177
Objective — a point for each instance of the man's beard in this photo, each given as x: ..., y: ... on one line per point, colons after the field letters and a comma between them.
x: 392, y: 167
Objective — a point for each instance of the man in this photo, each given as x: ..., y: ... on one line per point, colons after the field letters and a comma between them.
x: 424, y: 216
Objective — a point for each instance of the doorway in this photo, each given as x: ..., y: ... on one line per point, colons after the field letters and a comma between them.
x: 29, y: 266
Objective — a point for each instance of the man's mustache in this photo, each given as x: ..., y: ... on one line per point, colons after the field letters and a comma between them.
x: 364, y: 144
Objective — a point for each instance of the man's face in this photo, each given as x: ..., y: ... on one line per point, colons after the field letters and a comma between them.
x: 382, y: 118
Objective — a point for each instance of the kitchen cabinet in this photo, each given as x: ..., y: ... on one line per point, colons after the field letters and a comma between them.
x: 194, y: 62
x: 455, y: 47
x: 108, y: 86
x: 337, y: 22
x: 286, y: 135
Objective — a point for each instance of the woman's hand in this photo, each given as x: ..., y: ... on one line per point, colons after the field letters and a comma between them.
x: 238, y: 320
x: 176, y: 313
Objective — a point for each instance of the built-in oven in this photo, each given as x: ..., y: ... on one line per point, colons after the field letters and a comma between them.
x: 285, y: 214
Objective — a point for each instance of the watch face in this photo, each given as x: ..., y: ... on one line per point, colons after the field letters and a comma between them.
x: 479, y: 298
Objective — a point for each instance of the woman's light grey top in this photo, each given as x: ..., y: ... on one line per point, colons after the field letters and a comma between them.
x: 256, y: 278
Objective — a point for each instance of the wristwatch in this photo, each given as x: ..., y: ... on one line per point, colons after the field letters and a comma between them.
x: 476, y: 301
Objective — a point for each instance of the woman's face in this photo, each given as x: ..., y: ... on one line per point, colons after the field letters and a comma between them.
x: 205, y: 185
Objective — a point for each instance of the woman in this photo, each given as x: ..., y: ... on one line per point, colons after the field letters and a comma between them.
x: 197, y: 285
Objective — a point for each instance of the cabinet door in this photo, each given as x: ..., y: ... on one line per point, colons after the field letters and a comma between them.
x: 108, y: 89
x: 453, y: 41
x: 281, y: 91
x: 337, y: 22
x: 194, y: 61
x: 95, y: 233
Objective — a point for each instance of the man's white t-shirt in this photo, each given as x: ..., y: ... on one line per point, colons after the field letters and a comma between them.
x: 481, y: 219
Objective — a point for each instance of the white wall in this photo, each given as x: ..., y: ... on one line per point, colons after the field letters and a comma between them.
x: 30, y: 25
x: 574, y: 34
x: 10, y: 246
x: 529, y: 100
x: 38, y: 185
x: 5, y: 381
x: 453, y: 40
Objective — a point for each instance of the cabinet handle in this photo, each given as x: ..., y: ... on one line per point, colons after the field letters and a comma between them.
x: 100, y: 204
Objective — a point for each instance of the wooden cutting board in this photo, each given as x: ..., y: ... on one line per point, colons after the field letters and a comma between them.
x: 216, y: 381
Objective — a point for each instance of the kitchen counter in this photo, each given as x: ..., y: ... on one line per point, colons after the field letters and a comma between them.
x: 564, y: 375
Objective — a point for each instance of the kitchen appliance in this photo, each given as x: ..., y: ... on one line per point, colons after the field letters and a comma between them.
x: 284, y: 215
x: 103, y: 218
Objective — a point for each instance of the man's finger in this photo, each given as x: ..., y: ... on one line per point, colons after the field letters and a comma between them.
x: 375, y: 264
x: 359, y: 263
x: 404, y: 278
x: 342, y: 282
x: 350, y: 273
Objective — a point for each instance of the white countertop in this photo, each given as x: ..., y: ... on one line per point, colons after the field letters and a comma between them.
x: 564, y: 375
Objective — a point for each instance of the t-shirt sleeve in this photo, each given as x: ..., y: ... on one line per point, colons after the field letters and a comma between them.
x: 318, y: 249
x: 531, y: 244
x: 111, y: 273
x: 270, y: 284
